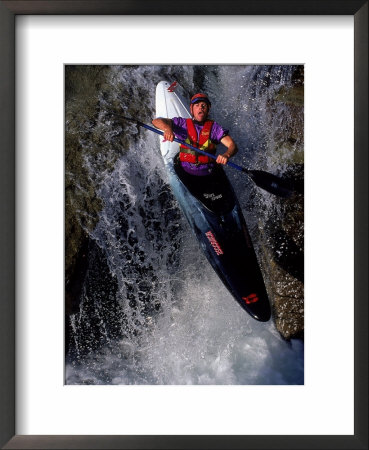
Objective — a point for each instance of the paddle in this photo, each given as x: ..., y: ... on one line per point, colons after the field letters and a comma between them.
x: 267, y: 181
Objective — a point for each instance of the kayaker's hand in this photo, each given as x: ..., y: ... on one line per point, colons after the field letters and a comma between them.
x: 222, y: 159
x: 168, y: 135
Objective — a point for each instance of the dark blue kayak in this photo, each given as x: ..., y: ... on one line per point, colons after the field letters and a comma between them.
x: 214, y: 214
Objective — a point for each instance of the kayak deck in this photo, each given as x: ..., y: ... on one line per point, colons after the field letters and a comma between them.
x: 216, y: 219
x: 213, y: 191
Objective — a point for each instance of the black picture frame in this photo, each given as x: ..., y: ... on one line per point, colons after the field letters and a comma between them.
x: 8, y: 12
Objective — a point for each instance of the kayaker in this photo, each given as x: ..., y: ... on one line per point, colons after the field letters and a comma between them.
x: 200, y: 132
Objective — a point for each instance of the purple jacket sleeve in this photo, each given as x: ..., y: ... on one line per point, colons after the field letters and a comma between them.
x: 180, y: 128
x: 218, y: 133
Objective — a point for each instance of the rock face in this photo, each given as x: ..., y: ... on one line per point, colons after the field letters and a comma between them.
x: 90, y: 152
x: 284, y: 262
x: 283, y: 247
x: 80, y: 208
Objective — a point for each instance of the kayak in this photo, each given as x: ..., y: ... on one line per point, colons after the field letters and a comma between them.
x: 212, y: 210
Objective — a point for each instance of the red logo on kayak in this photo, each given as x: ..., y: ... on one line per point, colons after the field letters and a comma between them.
x: 252, y: 298
x: 172, y: 86
x: 214, y: 243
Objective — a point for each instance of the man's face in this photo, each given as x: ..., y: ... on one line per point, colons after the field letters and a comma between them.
x: 200, y: 111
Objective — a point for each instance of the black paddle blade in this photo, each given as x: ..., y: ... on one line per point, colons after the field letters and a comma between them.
x: 271, y: 183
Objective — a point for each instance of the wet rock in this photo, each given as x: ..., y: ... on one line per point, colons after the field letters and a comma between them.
x: 75, y: 276
x: 282, y: 249
x: 286, y: 293
x: 91, y: 149
x: 293, y: 96
x: 282, y: 233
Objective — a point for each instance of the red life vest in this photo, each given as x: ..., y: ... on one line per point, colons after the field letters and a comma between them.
x: 202, y: 142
